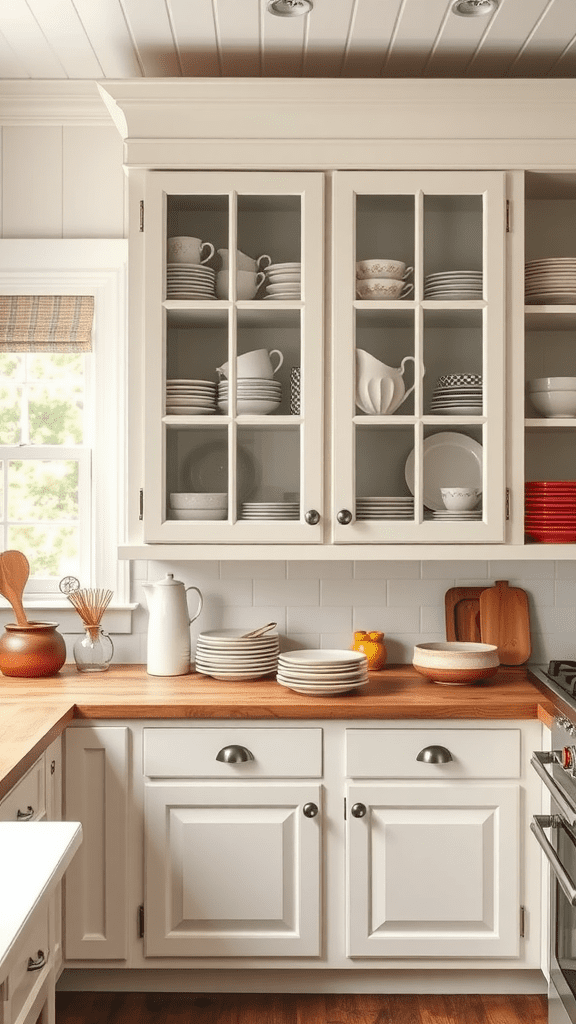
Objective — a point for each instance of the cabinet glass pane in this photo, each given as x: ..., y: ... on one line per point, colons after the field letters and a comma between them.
x: 269, y: 475
x: 276, y: 332
x: 384, y: 362
x: 385, y: 228
x: 453, y: 361
x: 199, y: 226
x: 453, y: 236
x: 196, y: 344
x: 381, y: 455
x: 453, y: 459
x: 197, y: 464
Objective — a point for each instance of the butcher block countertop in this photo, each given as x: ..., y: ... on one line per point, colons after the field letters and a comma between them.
x: 34, y: 711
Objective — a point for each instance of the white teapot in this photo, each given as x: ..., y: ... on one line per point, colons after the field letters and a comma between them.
x: 380, y: 389
x: 169, y: 626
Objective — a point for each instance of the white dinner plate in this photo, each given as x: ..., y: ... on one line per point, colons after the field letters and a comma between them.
x: 190, y: 410
x: 230, y: 677
x: 552, y: 299
x: 449, y: 458
x: 197, y: 514
x: 324, y: 658
x: 315, y: 691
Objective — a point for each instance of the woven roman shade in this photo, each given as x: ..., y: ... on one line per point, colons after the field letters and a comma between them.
x: 46, y: 323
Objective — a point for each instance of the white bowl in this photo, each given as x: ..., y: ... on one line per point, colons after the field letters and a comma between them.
x: 554, y: 404
x: 460, y: 498
x: 551, y: 384
x: 189, y: 514
x: 455, y: 663
x: 208, y: 499
x: 251, y: 406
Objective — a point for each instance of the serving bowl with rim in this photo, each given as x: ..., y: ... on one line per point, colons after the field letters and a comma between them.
x: 551, y: 384
x: 554, y: 404
x: 455, y: 663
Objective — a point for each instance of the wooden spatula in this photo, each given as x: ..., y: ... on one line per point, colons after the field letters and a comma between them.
x: 14, y: 572
x: 505, y: 621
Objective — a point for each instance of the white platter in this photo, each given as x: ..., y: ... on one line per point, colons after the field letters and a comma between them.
x: 449, y: 458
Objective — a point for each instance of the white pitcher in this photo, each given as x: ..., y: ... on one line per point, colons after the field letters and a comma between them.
x: 169, y: 626
x: 380, y: 389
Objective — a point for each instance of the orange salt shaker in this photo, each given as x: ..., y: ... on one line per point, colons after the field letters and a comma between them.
x: 372, y: 645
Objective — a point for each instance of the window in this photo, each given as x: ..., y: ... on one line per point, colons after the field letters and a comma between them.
x: 62, y: 421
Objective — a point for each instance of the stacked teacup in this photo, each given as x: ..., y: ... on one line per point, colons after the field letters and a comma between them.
x: 257, y: 393
x: 187, y: 277
x: 459, y: 503
x: 249, y: 275
x: 383, y: 279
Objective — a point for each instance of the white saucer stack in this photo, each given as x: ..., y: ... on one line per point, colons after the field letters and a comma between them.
x: 227, y: 654
x: 283, y: 281
x: 401, y: 507
x: 551, y: 281
x: 457, y: 394
x: 189, y: 281
x: 254, y: 396
x: 190, y: 397
x: 270, y: 510
x: 453, y: 284
x: 322, y: 673
x: 447, y: 515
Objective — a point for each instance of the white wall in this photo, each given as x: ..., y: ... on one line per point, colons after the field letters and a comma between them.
x: 66, y: 181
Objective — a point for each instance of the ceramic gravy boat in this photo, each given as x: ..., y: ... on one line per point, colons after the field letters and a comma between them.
x: 380, y: 389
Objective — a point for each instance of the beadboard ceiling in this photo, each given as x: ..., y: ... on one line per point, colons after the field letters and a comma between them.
x: 99, y: 39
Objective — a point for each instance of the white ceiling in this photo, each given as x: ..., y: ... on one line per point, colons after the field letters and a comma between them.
x: 98, y: 39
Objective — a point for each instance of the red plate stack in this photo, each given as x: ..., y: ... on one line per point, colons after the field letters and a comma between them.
x: 550, y: 512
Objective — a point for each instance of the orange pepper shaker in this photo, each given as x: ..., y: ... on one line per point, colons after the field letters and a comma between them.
x: 372, y: 645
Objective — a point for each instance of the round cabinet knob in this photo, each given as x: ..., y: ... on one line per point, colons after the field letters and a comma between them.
x: 358, y: 810
x: 344, y: 516
x: 312, y: 517
x: 435, y: 755
x: 310, y: 810
x: 234, y: 754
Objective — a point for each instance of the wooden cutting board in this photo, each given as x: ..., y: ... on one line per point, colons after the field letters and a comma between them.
x: 505, y: 621
x: 462, y: 606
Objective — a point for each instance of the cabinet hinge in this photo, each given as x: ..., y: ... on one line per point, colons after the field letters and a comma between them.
x: 141, y: 921
x: 52, y: 767
x: 522, y: 922
x: 507, y: 503
x: 344, y: 808
x: 141, y: 512
x: 141, y: 215
x: 508, y: 217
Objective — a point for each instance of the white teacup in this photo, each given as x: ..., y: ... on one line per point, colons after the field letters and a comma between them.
x: 383, y: 288
x: 460, y: 499
x: 185, y: 249
x: 247, y: 283
x: 255, y: 364
x: 383, y: 268
x: 244, y: 262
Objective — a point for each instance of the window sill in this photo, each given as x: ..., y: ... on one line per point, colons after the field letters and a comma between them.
x: 117, y: 617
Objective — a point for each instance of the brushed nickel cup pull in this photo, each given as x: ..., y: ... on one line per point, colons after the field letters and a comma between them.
x: 435, y: 755
x: 358, y: 810
x: 312, y: 517
x: 38, y: 964
x: 234, y: 754
x: 25, y: 815
x: 310, y: 810
x: 344, y: 516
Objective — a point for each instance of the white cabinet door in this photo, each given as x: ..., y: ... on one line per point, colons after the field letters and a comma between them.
x: 232, y: 870
x: 239, y: 434
x: 418, y: 379
x: 96, y: 794
x: 433, y: 870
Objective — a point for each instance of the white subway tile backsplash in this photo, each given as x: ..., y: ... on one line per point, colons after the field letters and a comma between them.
x: 540, y: 592
x: 566, y: 570
x: 253, y: 570
x: 319, y: 620
x: 387, y: 570
x: 432, y: 619
x: 387, y: 619
x: 190, y: 573
x: 566, y: 592
x: 554, y: 620
x: 353, y: 592
x: 521, y: 570
x: 298, y: 641
x: 453, y: 570
x: 317, y: 570
x: 409, y: 593
x: 336, y: 641
x: 288, y: 592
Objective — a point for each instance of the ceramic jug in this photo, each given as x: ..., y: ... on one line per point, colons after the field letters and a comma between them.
x: 380, y: 389
x: 169, y: 626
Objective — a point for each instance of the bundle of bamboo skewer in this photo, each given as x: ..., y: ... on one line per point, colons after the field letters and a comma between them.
x: 91, y: 605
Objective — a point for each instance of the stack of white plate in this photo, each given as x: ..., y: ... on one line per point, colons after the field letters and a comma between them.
x: 454, y: 284
x: 322, y: 673
x: 283, y: 281
x: 458, y: 394
x: 254, y: 395
x: 551, y: 281
x: 190, y: 505
x: 226, y: 654
x: 270, y: 510
x: 190, y: 397
x: 446, y: 515
x: 189, y: 281
x: 385, y: 508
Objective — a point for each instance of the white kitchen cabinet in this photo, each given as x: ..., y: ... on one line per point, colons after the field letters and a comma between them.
x: 97, y: 795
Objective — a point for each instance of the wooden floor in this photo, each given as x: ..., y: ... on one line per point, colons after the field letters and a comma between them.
x: 191, y: 1008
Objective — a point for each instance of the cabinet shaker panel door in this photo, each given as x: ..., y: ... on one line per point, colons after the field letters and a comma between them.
x: 232, y: 870
x: 433, y: 870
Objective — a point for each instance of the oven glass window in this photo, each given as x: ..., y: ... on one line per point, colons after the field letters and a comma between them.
x: 565, y: 913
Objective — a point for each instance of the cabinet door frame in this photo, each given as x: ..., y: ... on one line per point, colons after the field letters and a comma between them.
x: 494, y: 816
x: 347, y: 186
x: 298, y: 868
x: 310, y: 187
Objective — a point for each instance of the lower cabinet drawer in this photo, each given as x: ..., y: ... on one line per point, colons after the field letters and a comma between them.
x: 203, y: 753
x: 393, y: 753
x: 31, y: 963
x: 27, y: 799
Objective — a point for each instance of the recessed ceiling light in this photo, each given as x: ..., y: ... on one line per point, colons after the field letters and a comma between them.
x: 289, y: 8
x: 474, y: 8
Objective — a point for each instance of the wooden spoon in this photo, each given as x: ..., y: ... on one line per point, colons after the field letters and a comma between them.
x: 260, y: 631
x: 14, y: 572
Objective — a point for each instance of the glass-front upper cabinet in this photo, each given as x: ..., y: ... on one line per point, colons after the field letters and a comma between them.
x: 234, y: 288
x: 418, y: 357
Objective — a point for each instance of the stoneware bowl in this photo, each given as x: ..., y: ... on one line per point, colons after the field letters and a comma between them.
x: 460, y: 498
x: 455, y: 663
x: 554, y: 404
x: 203, y: 499
x: 551, y: 384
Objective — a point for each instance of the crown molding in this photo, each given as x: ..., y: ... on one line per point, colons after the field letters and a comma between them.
x: 52, y: 102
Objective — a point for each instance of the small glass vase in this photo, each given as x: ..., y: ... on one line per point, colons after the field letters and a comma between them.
x: 93, y: 651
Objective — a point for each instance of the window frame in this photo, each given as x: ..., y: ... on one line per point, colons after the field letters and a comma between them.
x: 97, y: 267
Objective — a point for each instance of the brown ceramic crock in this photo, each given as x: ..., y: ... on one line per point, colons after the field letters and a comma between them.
x: 33, y: 650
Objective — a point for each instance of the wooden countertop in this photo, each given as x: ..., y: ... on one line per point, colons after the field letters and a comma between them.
x: 34, y: 711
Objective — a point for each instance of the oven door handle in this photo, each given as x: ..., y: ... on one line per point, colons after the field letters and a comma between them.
x: 538, y: 760
x: 539, y: 823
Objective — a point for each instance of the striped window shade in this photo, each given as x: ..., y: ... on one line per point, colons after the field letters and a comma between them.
x: 46, y: 323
